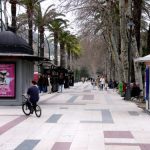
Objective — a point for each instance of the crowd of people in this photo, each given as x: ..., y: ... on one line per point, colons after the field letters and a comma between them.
x: 45, y: 83
x: 101, y: 83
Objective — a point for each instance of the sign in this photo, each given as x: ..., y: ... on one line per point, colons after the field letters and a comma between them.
x: 7, y: 80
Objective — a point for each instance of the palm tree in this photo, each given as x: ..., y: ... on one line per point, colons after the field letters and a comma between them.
x: 56, y: 27
x: 68, y: 43
x: 73, y: 49
x: 42, y: 21
x: 13, y: 13
x: 30, y: 7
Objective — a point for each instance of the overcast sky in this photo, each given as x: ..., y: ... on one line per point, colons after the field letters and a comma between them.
x: 69, y: 16
x: 44, y: 5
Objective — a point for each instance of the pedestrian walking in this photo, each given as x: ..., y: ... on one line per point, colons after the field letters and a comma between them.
x: 61, y: 82
x: 49, y: 85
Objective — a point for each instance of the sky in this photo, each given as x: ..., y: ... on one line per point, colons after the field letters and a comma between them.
x: 69, y: 16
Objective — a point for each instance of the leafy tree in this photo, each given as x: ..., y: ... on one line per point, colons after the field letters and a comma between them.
x: 56, y: 26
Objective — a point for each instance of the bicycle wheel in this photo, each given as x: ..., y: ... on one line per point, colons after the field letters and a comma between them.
x: 25, y: 109
x: 38, y: 111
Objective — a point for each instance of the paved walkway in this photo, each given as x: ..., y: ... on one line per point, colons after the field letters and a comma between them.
x: 78, y: 119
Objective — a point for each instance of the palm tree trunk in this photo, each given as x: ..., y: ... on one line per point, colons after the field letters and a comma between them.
x: 30, y: 24
x: 55, y: 48
x: 5, y: 14
x: 13, y: 12
x: 62, y: 55
x: 42, y: 41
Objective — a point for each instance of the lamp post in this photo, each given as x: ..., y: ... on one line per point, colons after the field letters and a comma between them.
x: 130, y: 26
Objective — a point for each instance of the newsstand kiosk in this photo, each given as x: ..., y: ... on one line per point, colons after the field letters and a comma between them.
x: 16, y: 68
x: 146, y: 60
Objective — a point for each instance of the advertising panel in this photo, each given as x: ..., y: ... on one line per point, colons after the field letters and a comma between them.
x: 7, y: 80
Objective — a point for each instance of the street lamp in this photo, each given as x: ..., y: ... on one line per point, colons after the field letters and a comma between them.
x: 130, y: 26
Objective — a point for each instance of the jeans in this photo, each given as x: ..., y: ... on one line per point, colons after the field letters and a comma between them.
x: 60, y: 88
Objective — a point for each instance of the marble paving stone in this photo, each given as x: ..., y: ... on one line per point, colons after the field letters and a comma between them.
x: 72, y: 99
x: 88, y: 91
x: 133, y: 113
x: 122, y: 147
x: 118, y: 134
x: 47, y: 99
x: 92, y: 109
x: 12, y: 124
x: 61, y: 146
x: 54, y: 118
x: 27, y: 145
x: 106, y: 116
x: 129, y: 144
x: 63, y: 107
x: 88, y: 97
x: 145, y: 146
x: 86, y: 121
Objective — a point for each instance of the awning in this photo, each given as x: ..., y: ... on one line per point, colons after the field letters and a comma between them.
x: 143, y: 59
x: 24, y: 56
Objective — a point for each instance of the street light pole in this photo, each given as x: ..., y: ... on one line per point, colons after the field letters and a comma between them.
x: 128, y: 92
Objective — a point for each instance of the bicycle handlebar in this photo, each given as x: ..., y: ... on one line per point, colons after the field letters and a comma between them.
x: 25, y: 96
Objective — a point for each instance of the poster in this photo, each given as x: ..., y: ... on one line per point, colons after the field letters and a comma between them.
x: 7, y: 80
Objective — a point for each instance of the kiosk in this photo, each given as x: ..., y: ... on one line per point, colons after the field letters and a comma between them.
x: 146, y: 60
x: 16, y: 68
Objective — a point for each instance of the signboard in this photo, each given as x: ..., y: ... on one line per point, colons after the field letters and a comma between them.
x: 7, y: 80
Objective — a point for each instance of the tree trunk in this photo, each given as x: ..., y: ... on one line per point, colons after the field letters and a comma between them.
x: 137, y: 20
x: 13, y: 12
x: 55, y: 48
x: 62, y: 55
x: 148, y: 40
x: 134, y: 49
x: 41, y: 41
x: 118, y: 64
x: 124, y: 40
x: 5, y: 14
x: 30, y: 24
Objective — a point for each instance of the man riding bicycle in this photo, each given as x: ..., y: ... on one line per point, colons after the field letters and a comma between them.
x: 33, y: 93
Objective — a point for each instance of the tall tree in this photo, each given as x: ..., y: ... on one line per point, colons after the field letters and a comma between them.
x: 42, y: 21
x: 56, y: 27
x: 30, y: 8
x: 13, y: 13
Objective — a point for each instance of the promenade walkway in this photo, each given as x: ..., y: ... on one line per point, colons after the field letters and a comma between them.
x: 80, y: 118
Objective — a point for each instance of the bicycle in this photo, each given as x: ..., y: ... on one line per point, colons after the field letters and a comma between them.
x: 27, y: 110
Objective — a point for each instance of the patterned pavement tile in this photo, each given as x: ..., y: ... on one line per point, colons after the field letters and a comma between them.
x: 72, y: 99
x: 27, y: 145
x: 118, y: 134
x: 61, y: 146
x: 12, y: 124
x: 88, y: 97
x: 54, y: 118
x: 106, y: 116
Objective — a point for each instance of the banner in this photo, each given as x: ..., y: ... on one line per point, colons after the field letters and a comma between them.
x: 7, y: 80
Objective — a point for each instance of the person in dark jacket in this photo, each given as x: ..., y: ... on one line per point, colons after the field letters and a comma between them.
x: 135, y: 90
x: 33, y: 93
x: 61, y: 82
